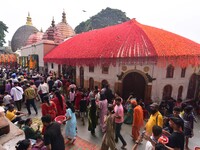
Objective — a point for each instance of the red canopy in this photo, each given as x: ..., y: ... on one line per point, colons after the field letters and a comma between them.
x: 127, y: 43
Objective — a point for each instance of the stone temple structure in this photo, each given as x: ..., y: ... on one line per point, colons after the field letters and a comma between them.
x: 22, y: 34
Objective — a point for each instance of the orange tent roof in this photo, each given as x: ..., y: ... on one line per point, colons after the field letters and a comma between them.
x: 127, y: 43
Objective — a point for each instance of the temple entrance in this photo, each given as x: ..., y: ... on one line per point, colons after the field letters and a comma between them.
x: 192, y: 86
x: 69, y: 72
x: 134, y: 82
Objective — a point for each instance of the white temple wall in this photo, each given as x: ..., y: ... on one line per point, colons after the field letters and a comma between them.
x: 34, y: 49
x: 53, y: 67
x: 154, y: 71
x: 161, y: 81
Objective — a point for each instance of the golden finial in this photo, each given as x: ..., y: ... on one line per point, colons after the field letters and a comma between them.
x: 29, y: 20
x: 64, y: 16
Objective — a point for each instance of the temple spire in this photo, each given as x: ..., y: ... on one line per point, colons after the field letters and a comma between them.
x: 53, y: 23
x: 64, y: 17
x: 29, y: 20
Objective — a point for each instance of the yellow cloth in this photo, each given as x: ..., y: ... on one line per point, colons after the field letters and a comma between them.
x: 152, y: 121
x: 11, y: 114
x: 30, y: 93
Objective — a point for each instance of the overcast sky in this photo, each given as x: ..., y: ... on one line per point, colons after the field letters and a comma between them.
x: 179, y: 16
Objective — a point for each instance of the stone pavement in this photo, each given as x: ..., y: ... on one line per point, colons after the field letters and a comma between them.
x: 87, y: 141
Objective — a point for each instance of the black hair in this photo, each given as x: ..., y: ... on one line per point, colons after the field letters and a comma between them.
x: 6, y: 92
x: 179, y: 100
x: 157, y: 130
x: 46, y: 99
x: 27, y: 121
x: 72, y: 90
x: 23, y: 144
x: 176, y: 108
x: 10, y: 106
x: 188, y: 109
x: 46, y: 118
x: 96, y: 87
x: 69, y: 105
x: 183, y: 105
x: 118, y: 99
x: 57, y: 93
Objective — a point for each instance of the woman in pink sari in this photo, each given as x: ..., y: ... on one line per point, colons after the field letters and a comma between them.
x: 103, y: 110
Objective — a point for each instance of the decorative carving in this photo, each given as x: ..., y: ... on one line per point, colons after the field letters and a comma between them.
x: 146, y: 69
x: 124, y: 68
x: 120, y: 76
x: 149, y: 77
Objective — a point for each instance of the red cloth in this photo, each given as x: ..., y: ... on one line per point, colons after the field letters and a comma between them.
x: 77, y: 100
x: 60, y: 111
x: 51, y: 110
x: 128, y: 42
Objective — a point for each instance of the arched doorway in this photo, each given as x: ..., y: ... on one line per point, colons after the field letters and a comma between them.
x: 192, y: 86
x: 91, y: 83
x: 81, y: 77
x: 134, y: 82
x: 167, y: 92
x: 104, y: 83
x: 180, y: 91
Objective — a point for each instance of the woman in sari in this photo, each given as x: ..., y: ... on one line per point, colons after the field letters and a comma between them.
x: 103, y: 110
x: 59, y: 100
x: 70, y: 128
x: 48, y: 107
x: 109, y: 136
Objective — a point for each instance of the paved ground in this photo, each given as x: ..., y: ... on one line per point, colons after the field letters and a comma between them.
x: 86, y: 138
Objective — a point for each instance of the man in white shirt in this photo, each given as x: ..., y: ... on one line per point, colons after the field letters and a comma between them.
x: 17, y: 92
x: 7, y: 99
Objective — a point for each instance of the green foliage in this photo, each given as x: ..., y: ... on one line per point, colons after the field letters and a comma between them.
x: 106, y: 17
x: 3, y: 29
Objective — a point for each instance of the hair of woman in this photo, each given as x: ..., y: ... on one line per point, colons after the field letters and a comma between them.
x: 58, y: 95
x: 23, y: 144
x: 69, y: 105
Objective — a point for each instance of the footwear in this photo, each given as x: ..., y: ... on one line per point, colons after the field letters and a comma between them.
x: 67, y: 142
x: 123, y: 146
x: 73, y: 141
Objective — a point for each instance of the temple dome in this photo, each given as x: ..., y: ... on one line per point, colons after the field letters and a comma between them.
x: 22, y: 34
x: 34, y: 38
x: 53, y: 34
x: 126, y: 43
x: 65, y: 29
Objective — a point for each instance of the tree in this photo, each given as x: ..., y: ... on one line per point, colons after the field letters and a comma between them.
x: 107, y: 17
x: 3, y: 29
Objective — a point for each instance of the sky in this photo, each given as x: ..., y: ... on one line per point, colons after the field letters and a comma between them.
x: 178, y: 16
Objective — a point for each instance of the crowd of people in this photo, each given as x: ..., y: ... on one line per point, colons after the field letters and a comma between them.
x: 171, y: 121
